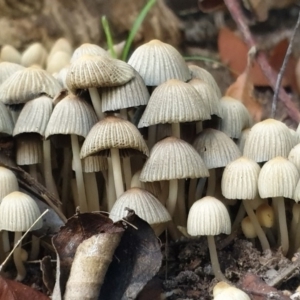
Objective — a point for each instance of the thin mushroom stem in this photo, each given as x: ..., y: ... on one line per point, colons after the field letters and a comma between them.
x: 96, y: 101
x: 260, y: 233
x: 176, y: 130
x: 92, y: 193
x: 200, y: 187
x: 192, y: 192
x: 284, y: 237
x: 172, y: 199
x: 214, y: 259
x: 151, y: 136
x: 127, y: 171
x: 111, y: 191
x: 297, y: 235
x: 79, y: 175
x: 211, y: 184
x: 35, y: 247
x: 238, y: 218
x: 18, y: 259
x: 117, y: 171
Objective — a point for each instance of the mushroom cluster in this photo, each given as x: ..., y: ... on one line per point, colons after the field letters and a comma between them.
x: 103, y: 134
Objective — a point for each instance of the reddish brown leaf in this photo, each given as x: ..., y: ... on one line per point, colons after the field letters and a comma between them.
x: 210, y: 5
x: 233, y: 52
x: 13, y: 290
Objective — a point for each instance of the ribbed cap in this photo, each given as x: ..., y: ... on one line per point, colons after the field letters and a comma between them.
x: 133, y: 93
x: 174, y: 101
x: 268, y: 139
x: 158, y: 62
x: 208, y: 216
x: 173, y: 158
x: 216, y: 148
x: 95, y: 163
x: 8, y: 182
x: 10, y: 54
x: 278, y: 178
x: 294, y: 156
x: 72, y: 115
x: 35, y: 54
x: 38, y: 111
x: 18, y: 212
x: 28, y: 84
x: 97, y: 71
x: 88, y: 49
x: 145, y: 205
x: 242, y: 139
x: 6, y: 122
x: 239, y: 180
x: 29, y: 149
x: 7, y: 69
x: 200, y: 73
x: 113, y: 132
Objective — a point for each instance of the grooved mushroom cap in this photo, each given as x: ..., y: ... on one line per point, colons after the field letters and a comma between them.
x: 200, y: 73
x: 58, y: 61
x: 223, y: 291
x: 8, y: 182
x: 97, y: 71
x: 6, y: 122
x: 174, y: 101
x: 145, y: 205
x: 239, y: 180
x: 28, y: 84
x: 10, y: 54
x: 94, y: 163
x: 35, y: 54
x: 29, y: 149
x: 216, y: 148
x: 235, y: 117
x: 61, y: 44
x: 209, y: 96
x: 113, y: 132
x: 294, y: 156
x: 88, y: 49
x: 268, y: 139
x: 242, y: 140
x: 278, y: 178
x: 158, y: 62
x: 208, y: 216
x: 72, y: 115
x: 18, y: 212
x: 173, y: 158
x: 38, y: 111
x: 297, y: 192
x: 133, y: 93
x: 7, y: 69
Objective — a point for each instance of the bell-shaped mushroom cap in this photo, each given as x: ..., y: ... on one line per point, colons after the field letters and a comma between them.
x: 6, y: 122
x: 72, y: 115
x: 28, y: 84
x: 248, y: 228
x: 200, y: 73
x: 18, y: 212
x: 113, y: 132
x: 158, y: 62
x: 223, y: 291
x: 35, y: 54
x: 297, y: 192
x: 295, y: 136
x: 208, y: 95
x: 58, y: 61
x: 216, y: 148
x: 8, y: 182
x: 268, y: 139
x: 208, y: 216
x: 278, y: 178
x: 133, y: 93
x: 294, y: 156
x: 7, y: 69
x: 29, y: 149
x: 88, y: 49
x: 94, y: 163
x: 145, y: 205
x: 235, y: 117
x: 242, y: 140
x: 10, y: 54
x: 38, y: 111
x: 265, y: 215
x: 61, y: 44
x: 239, y: 180
x: 174, y: 101
x: 97, y: 71
x: 173, y: 158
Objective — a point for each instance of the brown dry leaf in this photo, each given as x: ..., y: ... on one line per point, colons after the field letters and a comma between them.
x: 77, y: 229
x: 258, y: 289
x: 210, y: 5
x: 137, y: 259
x: 233, y: 52
x: 13, y: 290
x: 242, y: 90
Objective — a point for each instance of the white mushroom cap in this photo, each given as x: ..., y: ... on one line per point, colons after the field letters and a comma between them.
x: 294, y: 156
x: 8, y: 182
x: 208, y: 216
x: 18, y: 212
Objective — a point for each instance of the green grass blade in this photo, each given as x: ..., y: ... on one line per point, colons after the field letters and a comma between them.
x: 109, y: 40
x: 136, y: 25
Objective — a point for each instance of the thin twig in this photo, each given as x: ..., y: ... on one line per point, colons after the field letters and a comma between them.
x: 261, y: 58
x: 283, y: 67
x: 20, y: 240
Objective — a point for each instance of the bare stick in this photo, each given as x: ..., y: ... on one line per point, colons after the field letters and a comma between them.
x: 261, y: 58
x: 283, y: 67
x: 20, y: 240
